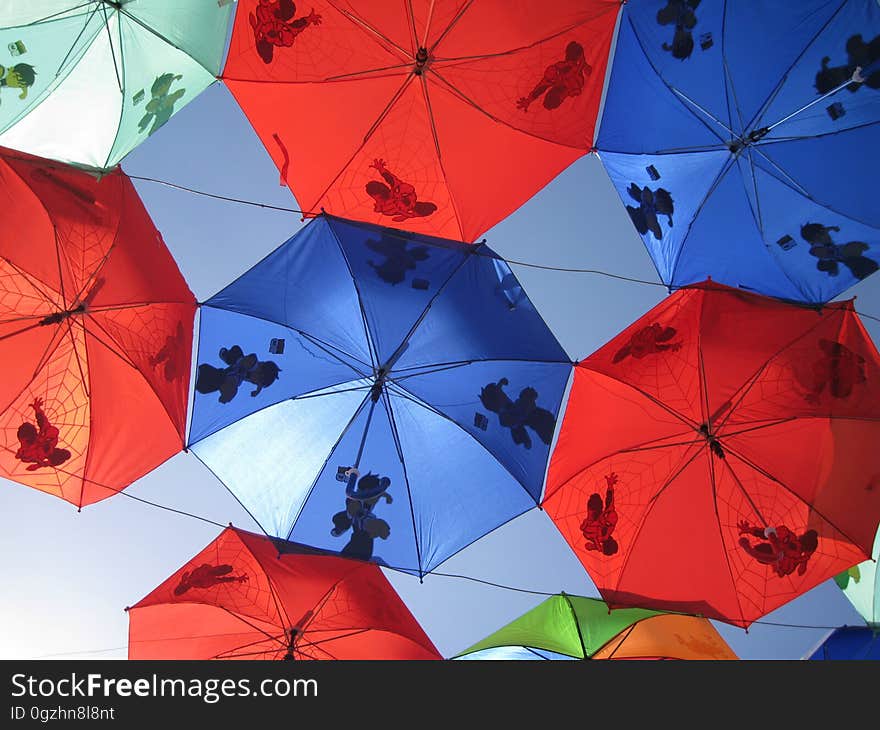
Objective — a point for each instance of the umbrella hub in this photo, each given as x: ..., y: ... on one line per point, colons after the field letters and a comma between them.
x: 714, y: 444
x: 59, y: 317
x: 116, y: 4
x: 738, y: 144
x: 422, y: 61
x: 292, y: 635
x: 378, y: 384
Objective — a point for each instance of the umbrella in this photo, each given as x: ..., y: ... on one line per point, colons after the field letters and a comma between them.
x: 440, y: 117
x: 95, y: 333
x: 717, y: 456
x: 384, y: 394
x: 577, y: 627
x: 738, y: 136
x: 849, y: 643
x: 240, y: 598
x: 86, y: 81
x: 859, y: 584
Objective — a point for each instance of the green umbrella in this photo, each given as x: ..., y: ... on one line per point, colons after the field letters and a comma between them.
x: 861, y: 586
x: 86, y: 81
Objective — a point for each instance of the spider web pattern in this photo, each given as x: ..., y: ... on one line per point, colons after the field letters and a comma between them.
x: 157, y: 340
x: 61, y: 384
x: 337, y: 46
x: 401, y: 140
x: 640, y: 476
x: 251, y: 598
x: 496, y: 84
x: 22, y: 297
x: 669, y: 369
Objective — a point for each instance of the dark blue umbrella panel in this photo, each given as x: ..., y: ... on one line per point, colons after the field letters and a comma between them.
x: 378, y: 393
x: 743, y: 140
x: 850, y: 642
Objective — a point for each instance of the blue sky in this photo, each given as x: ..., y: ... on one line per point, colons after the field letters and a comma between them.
x: 68, y: 575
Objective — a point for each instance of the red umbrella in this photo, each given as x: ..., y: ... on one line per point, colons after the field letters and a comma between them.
x: 440, y: 117
x: 240, y: 599
x: 95, y: 333
x: 719, y: 456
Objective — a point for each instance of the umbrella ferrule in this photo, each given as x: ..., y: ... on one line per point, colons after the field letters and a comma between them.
x: 421, y: 61
x: 59, y: 317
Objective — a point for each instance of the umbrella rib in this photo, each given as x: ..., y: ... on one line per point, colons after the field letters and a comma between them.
x: 470, y: 102
x: 414, y: 37
x: 768, y: 475
x: 33, y: 282
x: 353, y: 632
x: 47, y: 18
x: 577, y: 626
x: 79, y: 35
x: 82, y: 375
x: 622, y: 636
x: 452, y: 24
x: 386, y: 402
x: 451, y: 364
x: 370, y: 29
x: 727, y: 73
x: 651, y: 503
x: 776, y: 89
x: 51, y: 346
x: 110, y: 41
x: 235, y: 650
x: 424, y: 43
x: 127, y: 14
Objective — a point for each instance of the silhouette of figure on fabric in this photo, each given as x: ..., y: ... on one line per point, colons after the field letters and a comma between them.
x: 651, y: 204
x: 273, y: 24
x: 837, y: 368
x: 239, y: 368
x: 358, y: 516
x: 400, y: 257
x: 161, y: 106
x: 397, y: 199
x: 831, y: 254
x: 206, y: 576
x: 171, y: 355
x: 859, y: 55
x: 601, y: 520
x: 779, y: 547
x: 38, y: 445
x: 681, y: 13
x: 21, y: 77
x: 516, y: 415
x: 561, y: 79
x: 648, y: 340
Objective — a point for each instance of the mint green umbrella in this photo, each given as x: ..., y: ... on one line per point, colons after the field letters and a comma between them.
x: 86, y: 81
x: 861, y: 587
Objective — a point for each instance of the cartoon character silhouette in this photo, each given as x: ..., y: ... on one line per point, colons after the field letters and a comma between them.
x: 831, y: 254
x: 516, y: 415
x: 779, y: 547
x: 400, y: 257
x: 358, y: 516
x: 837, y: 368
x: 160, y: 108
x: 397, y: 199
x: 206, y: 576
x: 21, y: 77
x: 561, y: 79
x: 859, y: 55
x: 240, y: 368
x: 651, y: 203
x: 648, y: 340
x: 274, y: 25
x: 601, y: 520
x: 853, y: 573
x: 171, y: 355
x: 38, y: 445
x: 681, y: 13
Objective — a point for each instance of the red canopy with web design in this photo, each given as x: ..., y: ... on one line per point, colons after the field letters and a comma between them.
x: 719, y: 456
x: 95, y: 333
x: 240, y: 599
x: 437, y: 116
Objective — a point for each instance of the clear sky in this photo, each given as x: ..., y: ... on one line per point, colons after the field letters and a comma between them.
x: 68, y: 576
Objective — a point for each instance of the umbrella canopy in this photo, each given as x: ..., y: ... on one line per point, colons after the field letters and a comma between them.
x: 240, y: 598
x: 850, y: 643
x: 859, y: 584
x: 440, y: 117
x: 717, y: 457
x: 96, y: 329
x: 738, y: 136
x: 566, y: 626
x: 86, y: 81
x: 377, y: 392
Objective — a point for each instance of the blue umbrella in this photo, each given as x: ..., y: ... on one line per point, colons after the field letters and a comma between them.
x: 378, y: 393
x: 850, y: 642
x: 742, y: 138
